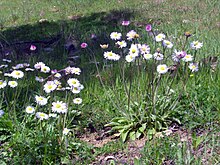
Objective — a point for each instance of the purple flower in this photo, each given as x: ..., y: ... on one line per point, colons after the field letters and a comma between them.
x: 84, y: 45
x: 93, y: 36
x: 148, y: 27
x: 125, y: 23
x: 54, y: 71
x: 33, y: 47
x: 1, y: 113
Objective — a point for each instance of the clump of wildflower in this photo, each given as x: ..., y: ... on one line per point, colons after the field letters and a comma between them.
x: 162, y: 69
x: 147, y: 56
x: 193, y: 67
x: 196, y: 45
x: 66, y: 131
x: 41, y: 100
x: 132, y: 35
x: 111, y: 56
x: 2, y: 84
x: 104, y: 46
x: 160, y: 37
x: 115, y: 36
x: 38, y: 65
x: 158, y: 56
x: 167, y: 44
x: 188, y: 58
x: 59, y: 107
x: 125, y: 23
x: 30, y: 109
x: 84, y: 45
x: 72, y: 70
x: 42, y: 116
x: 12, y: 84
x: 77, y: 101
x: 121, y: 44
x: 17, y: 74
x: 50, y: 86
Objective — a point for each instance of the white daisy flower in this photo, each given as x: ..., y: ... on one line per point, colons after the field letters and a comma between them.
x: 39, y: 79
x: 12, y: 84
x: 167, y: 44
x: 131, y: 35
x: 145, y: 49
x: 77, y: 101
x: 3, y: 66
x: 17, y: 74
x: 121, y: 44
x: 134, y: 50
x: 115, y: 36
x: 30, y: 109
x: 50, y: 86
x: 76, y: 71
x: 193, y: 67
x: 158, y: 56
x: 45, y: 69
x: 29, y: 69
x: 188, y: 58
x: 59, y: 107
x: 75, y: 90
x: 66, y: 131
x: 38, y: 65
x: 18, y: 66
x: 160, y: 37
x: 196, y: 45
x: 42, y: 116
x: 178, y: 55
x: 7, y: 74
x: 147, y: 56
x: 130, y: 58
x: 54, y: 115
x: 104, y: 46
x: 2, y: 84
x: 162, y: 69
x: 41, y: 100
x: 111, y: 56
x: 73, y: 82
x: 57, y: 75
x: 6, y: 60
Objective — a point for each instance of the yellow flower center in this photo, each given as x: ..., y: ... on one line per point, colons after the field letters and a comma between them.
x: 58, y: 106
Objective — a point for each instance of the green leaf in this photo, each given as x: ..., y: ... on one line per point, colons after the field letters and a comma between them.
x: 138, y: 134
x: 124, y: 135
x: 132, y: 135
x: 143, y: 127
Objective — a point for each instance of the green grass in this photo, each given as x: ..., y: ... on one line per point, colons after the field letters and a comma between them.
x: 199, y: 104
